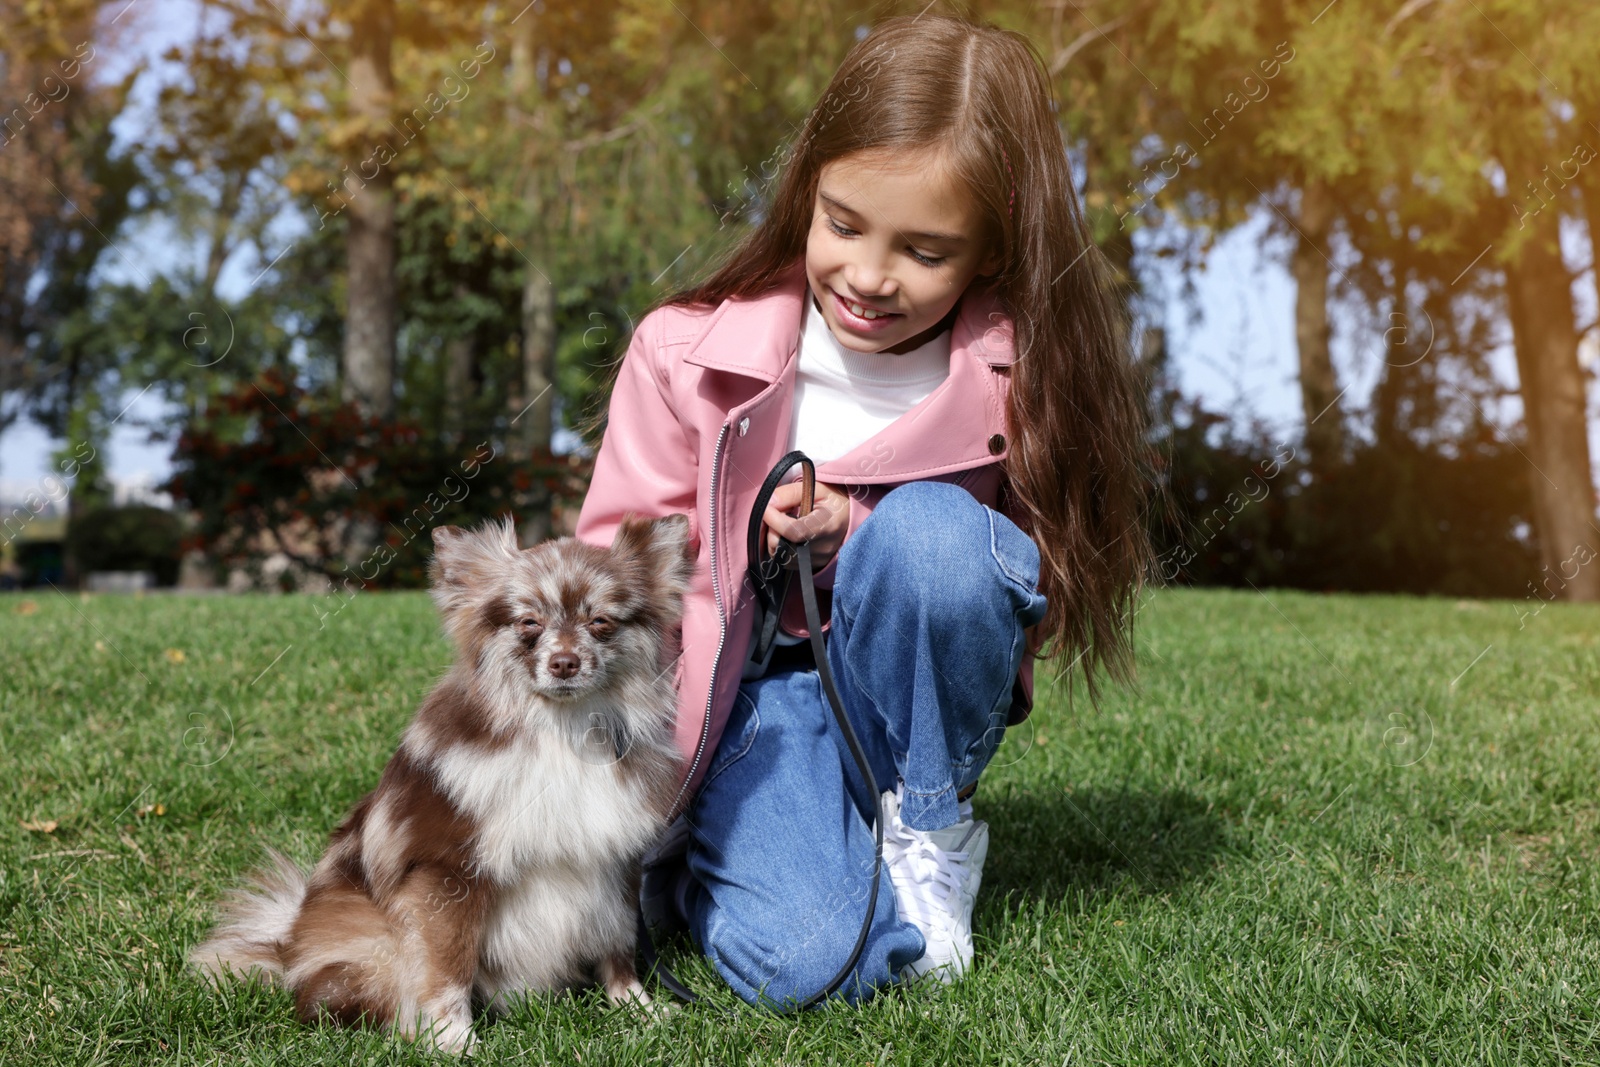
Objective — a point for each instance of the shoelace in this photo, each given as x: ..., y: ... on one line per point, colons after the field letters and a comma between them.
x: 907, y: 851
x: 940, y: 870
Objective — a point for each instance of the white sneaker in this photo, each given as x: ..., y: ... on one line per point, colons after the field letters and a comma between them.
x: 936, y: 874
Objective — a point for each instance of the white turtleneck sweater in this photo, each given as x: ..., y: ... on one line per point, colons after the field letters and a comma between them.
x: 843, y: 397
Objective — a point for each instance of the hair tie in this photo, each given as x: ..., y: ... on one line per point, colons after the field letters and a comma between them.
x: 1013, y: 197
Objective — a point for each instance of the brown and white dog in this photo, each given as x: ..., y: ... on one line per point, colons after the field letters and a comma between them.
x: 500, y: 851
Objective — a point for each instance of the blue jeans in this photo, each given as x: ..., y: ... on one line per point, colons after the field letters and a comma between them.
x: 930, y: 598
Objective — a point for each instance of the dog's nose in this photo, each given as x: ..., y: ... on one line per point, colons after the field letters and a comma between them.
x: 563, y: 664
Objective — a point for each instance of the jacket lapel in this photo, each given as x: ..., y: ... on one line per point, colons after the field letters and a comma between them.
x: 961, y: 424
x: 754, y: 337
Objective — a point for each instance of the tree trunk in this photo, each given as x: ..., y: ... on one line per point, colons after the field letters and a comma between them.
x: 536, y: 424
x: 459, y: 360
x: 1397, y: 364
x: 1554, y: 402
x: 534, y: 427
x: 369, y: 361
x: 1589, y: 196
x: 72, y: 575
x: 1319, y: 388
x: 533, y: 422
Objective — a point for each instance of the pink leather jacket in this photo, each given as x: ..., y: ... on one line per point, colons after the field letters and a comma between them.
x: 700, y: 414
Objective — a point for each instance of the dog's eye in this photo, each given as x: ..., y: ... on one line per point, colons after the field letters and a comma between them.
x: 601, y: 626
x: 530, y: 626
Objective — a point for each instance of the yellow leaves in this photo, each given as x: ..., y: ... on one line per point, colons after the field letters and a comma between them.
x: 305, y: 180
x: 27, y: 607
x: 151, y: 809
x: 43, y: 826
x: 174, y: 655
x: 348, y: 134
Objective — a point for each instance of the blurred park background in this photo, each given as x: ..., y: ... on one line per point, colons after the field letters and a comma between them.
x: 283, y: 285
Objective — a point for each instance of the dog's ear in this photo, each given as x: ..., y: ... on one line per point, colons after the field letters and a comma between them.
x: 447, y: 570
x: 500, y: 538
x: 463, y: 559
x: 449, y: 551
x: 662, y: 546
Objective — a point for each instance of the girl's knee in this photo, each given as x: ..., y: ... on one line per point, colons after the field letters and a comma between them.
x: 931, y: 531
x: 936, y: 539
x: 919, y: 508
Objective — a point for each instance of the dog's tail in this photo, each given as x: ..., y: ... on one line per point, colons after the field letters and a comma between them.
x: 255, y: 924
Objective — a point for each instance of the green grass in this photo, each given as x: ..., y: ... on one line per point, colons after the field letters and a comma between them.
x: 1298, y: 843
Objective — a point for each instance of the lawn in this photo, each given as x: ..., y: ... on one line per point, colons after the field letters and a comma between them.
x: 1326, y: 829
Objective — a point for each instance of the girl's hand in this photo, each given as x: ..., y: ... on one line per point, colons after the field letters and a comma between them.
x: 825, y: 527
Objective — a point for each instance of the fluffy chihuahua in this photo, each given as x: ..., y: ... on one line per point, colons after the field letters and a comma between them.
x: 500, y: 851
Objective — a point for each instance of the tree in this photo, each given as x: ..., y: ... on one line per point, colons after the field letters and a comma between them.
x: 63, y: 197
x: 369, y: 357
x: 1384, y: 127
x: 47, y: 192
x: 1505, y: 109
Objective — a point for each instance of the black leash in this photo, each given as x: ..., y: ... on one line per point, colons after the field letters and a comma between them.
x: 770, y: 575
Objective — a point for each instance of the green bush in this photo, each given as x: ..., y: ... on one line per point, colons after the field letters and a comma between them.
x: 275, y: 467
x: 1246, y: 509
x: 135, y: 538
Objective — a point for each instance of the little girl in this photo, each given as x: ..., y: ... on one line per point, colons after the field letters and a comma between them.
x: 922, y: 312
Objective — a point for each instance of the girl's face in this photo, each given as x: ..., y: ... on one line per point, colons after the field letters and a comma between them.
x: 894, y: 242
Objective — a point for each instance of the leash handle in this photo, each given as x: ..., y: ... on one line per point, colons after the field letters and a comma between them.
x: 767, y: 567
x: 769, y: 575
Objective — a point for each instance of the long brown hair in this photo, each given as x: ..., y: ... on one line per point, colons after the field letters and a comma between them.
x: 1077, y: 471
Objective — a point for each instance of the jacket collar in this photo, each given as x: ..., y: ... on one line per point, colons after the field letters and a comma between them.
x: 960, y: 425
x: 758, y: 336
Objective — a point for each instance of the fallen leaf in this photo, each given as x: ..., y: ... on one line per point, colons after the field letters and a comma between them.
x: 99, y: 646
x: 152, y: 809
x: 45, y: 826
x: 174, y: 655
x: 27, y: 607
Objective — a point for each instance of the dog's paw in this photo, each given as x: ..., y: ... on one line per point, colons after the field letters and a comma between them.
x: 454, y: 1037
x: 448, y: 1032
x: 661, y: 1010
x: 626, y: 990
x: 633, y: 996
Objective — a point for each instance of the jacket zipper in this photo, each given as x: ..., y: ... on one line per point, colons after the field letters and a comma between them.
x: 722, y: 619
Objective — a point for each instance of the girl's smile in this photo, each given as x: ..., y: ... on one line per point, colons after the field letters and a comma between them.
x: 862, y: 318
x: 894, y: 241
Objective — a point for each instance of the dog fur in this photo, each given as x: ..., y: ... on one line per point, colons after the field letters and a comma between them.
x: 500, y: 851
